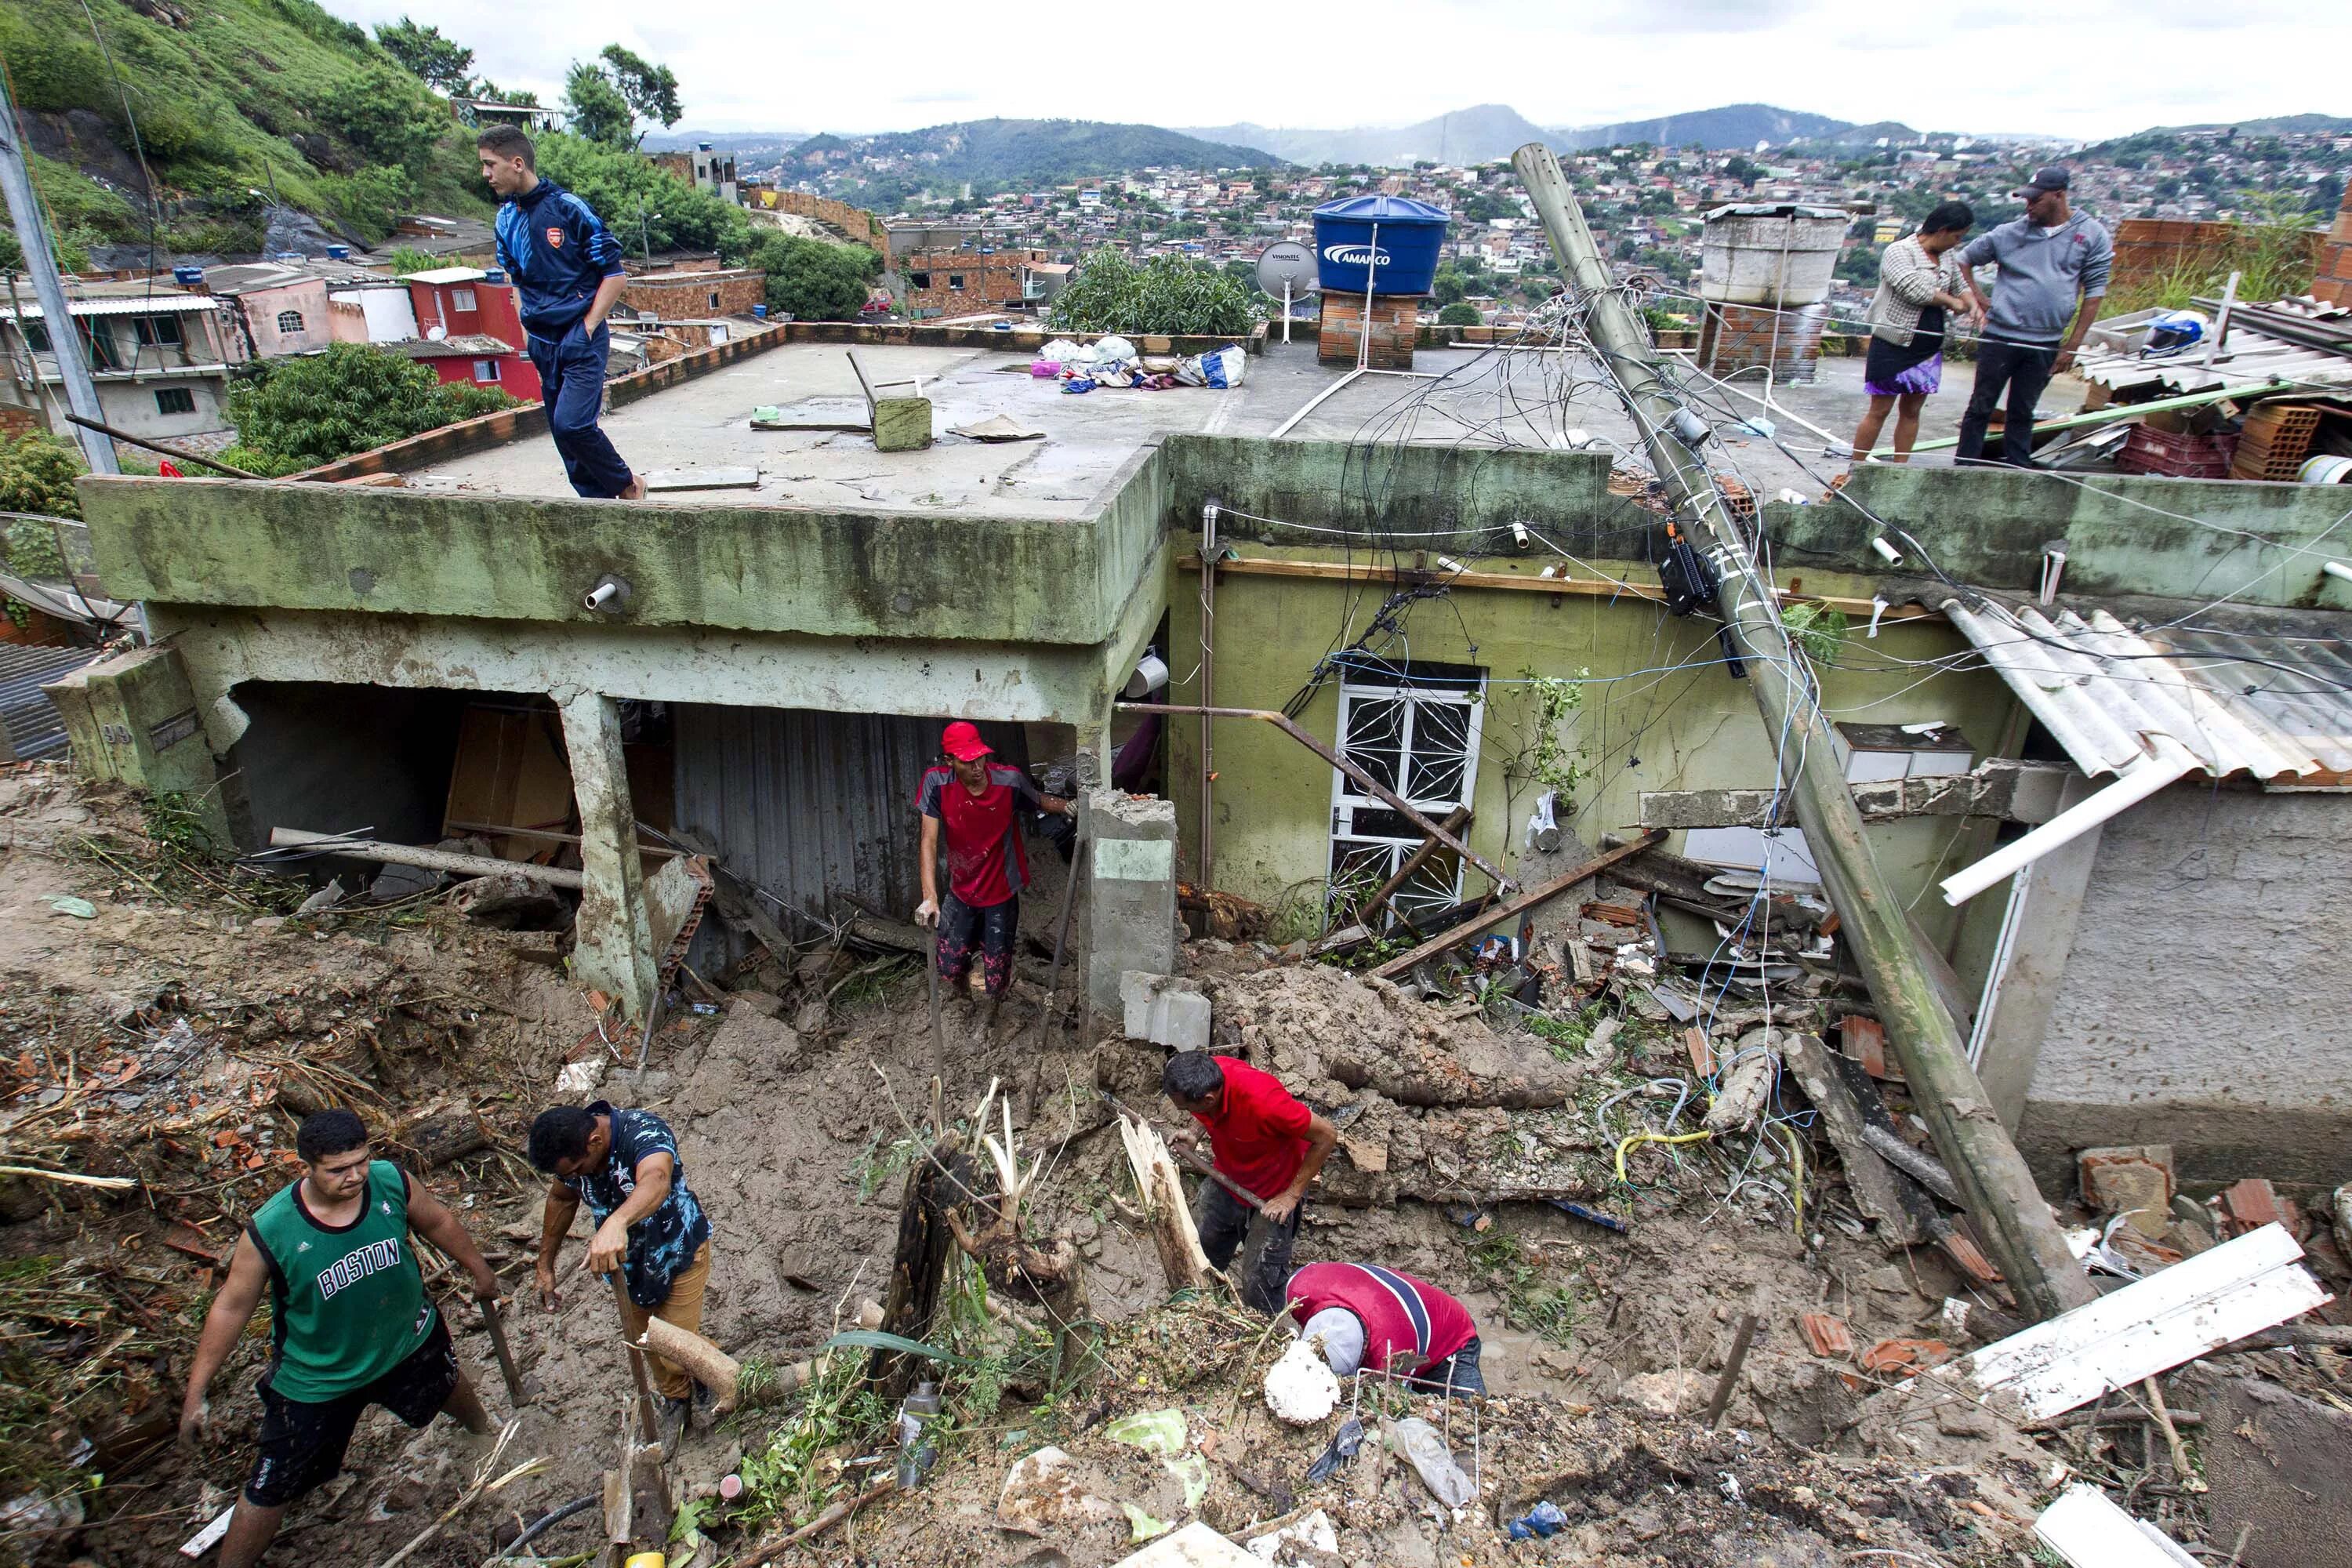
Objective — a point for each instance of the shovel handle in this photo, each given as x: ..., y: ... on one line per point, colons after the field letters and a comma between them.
x: 505, y: 1357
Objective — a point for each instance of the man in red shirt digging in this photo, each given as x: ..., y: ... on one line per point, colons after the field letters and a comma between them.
x: 1376, y: 1321
x: 976, y: 806
x: 1270, y: 1145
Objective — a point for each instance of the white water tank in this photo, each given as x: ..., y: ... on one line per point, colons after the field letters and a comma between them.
x: 1781, y: 255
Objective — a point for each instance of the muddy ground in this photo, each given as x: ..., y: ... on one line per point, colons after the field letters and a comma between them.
x: 177, y: 1032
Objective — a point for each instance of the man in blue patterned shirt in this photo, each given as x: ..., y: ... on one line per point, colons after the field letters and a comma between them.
x: 567, y: 266
x: 625, y: 1163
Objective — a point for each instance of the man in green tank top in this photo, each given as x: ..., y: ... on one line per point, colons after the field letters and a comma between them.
x: 351, y: 1325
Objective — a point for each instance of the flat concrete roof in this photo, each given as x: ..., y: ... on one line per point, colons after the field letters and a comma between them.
x: 707, y: 424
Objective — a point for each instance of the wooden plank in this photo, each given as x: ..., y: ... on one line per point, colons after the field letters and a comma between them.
x: 1455, y: 821
x: 2086, y: 1528
x: 1510, y: 907
x: 2195, y: 1306
x: 1873, y: 1184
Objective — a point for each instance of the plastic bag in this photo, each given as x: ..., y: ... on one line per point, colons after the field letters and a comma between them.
x: 1225, y: 367
x: 1426, y: 1450
x: 1061, y: 348
x: 1189, y: 371
x: 1114, y: 350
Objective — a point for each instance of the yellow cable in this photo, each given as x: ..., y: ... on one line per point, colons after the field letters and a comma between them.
x: 1656, y: 1137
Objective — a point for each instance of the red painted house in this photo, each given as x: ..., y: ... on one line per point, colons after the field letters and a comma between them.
x: 471, y: 330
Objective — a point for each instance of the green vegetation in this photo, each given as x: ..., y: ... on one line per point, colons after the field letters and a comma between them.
x: 2273, y: 253
x: 1166, y: 294
x: 1459, y: 314
x: 36, y: 475
x: 250, y: 103
x: 1817, y: 630
x: 295, y: 413
x: 815, y: 280
x: 1514, y: 1270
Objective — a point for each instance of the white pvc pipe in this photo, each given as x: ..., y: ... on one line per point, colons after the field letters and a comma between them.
x: 2135, y: 784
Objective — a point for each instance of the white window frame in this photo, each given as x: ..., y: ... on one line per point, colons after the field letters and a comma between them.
x: 1347, y: 797
x: 461, y: 300
x: 486, y: 371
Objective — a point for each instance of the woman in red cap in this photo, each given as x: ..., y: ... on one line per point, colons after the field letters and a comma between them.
x: 976, y: 804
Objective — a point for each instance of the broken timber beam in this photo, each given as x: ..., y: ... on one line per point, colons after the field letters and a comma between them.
x: 1510, y: 907
x: 425, y: 859
x: 1370, y: 785
x: 2003, y: 787
x: 1456, y: 820
x: 2013, y: 1216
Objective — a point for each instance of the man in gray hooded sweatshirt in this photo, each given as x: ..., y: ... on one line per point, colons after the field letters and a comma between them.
x: 2054, y: 270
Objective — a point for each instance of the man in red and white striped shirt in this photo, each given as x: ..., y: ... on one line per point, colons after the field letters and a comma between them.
x: 1374, y: 1320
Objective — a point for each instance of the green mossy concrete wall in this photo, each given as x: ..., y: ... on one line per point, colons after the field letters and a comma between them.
x: 1660, y: 713
x: 314, y: 547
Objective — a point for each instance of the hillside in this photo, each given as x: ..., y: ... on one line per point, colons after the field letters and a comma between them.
x: 2280, y: 125
x: 240, y: 106
x: 1477, y: 135
x: 1019, y: 150
x: 1738, y: 126
x: 752, y: 144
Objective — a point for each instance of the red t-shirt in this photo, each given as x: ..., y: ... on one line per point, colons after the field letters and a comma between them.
x: 1409, y: 1326
x: 986, y: 861
x: 1259, y: 1138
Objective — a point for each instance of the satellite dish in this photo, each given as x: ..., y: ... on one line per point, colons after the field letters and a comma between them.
x: 1286, y: 261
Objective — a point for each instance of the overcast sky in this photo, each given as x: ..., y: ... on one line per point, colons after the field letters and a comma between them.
x: 2085, y: 69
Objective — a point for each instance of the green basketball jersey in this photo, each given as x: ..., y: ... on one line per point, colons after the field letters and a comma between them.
x: 349, y: 1304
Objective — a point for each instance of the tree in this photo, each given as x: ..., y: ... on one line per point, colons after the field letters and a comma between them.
x: 298, y: 413
x: 815, y: 280
x: 1459, y: 314
x: 440, y: 62
x: 489, y: 91
x: 595, y: 108
x: 1738, y: 167
x: 1447, y: 285
x: 36, y: 475
x: 651, y: 89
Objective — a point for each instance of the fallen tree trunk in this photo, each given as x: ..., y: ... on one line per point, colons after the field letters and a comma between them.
x: 1510, y: 907
x: 703, y: 1361
x: 1164, y: 1208
x: 1449, y: 1083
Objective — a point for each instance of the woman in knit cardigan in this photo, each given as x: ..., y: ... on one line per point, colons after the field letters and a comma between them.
x: 1920, y: 289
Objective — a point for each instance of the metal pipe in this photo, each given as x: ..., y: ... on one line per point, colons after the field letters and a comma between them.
x: 2017, y: 1219
x: 56, y: 313
x: 1208, y: 691
x: 1371, y: 785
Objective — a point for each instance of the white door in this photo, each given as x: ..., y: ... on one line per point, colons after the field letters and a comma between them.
x: 1417, y: 733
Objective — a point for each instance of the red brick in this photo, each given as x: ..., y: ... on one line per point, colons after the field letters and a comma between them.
x: 1827, y: 1334
x: 1904, y: 1356
x: 2250, y: 1204
x: 1862, y: 1039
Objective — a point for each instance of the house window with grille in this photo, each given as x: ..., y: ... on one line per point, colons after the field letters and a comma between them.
x: 155, y: 331
x: 174, y: 400
x: 1415, y: 727
x: 289, y: 321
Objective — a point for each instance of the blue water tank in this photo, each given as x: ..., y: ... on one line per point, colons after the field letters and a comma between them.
x: 187, y: 277
x: 339, y: 253
x: 495, y: 274
x: 1410, y: 235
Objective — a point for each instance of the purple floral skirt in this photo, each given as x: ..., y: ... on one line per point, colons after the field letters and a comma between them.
x: 1927, y: 375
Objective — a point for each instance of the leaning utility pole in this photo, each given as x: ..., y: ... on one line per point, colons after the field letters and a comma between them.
x: 2001, y: 1197
x: 65, y: 341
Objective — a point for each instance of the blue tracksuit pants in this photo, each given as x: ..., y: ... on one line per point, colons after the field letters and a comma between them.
x: 571, y: 381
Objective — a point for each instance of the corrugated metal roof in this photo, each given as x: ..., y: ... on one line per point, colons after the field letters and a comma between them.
x: 465, y: 345
x: 2273, y: 708
x: 169, y: 303
x: 446, y: 275
x: 29, y: 719
x: 2249, y: 357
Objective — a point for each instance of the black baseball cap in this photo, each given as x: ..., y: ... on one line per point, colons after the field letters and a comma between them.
x: 2053, y: 178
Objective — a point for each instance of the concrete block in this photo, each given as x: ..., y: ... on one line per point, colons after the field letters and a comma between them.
x: 2134, y: 1181
x: 2280, y: 1466
x: 1131, y: 892
x: 132, y: 717
x: 902, y: 424
x: 1165, y: 1011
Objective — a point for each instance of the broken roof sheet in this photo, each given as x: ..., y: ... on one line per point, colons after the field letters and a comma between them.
x: 2276, y: 709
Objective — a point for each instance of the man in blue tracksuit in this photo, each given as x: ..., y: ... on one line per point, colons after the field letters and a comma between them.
x: 569, y: 270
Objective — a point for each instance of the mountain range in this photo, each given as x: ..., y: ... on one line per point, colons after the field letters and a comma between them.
x: 1023, y: 150
x: 1493, y: 131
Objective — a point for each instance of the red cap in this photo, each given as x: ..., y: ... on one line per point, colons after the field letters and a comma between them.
x: 962, y: 740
